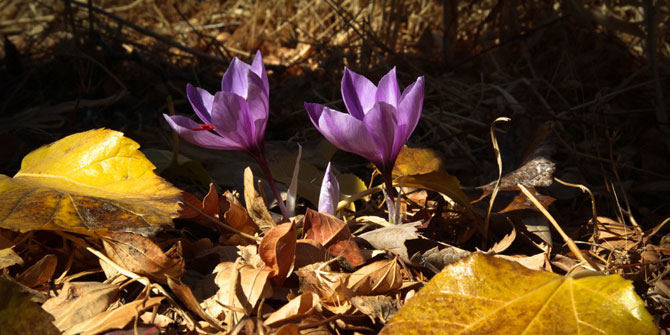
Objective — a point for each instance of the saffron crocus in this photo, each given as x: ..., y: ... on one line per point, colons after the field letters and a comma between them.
x: 379, y: 122
x: 237, y: 115
x: 330, y: 193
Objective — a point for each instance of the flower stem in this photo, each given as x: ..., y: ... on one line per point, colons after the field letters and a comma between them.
x: 262, y: 162
x: 388, y: 183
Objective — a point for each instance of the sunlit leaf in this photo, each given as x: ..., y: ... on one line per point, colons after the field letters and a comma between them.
x: 277, y: 250
x: 486, y: 295
x: 142, y: 256
x: 334, y: 235
x: 80, y: 301
x: 95, y: 180
x: 413, y: 161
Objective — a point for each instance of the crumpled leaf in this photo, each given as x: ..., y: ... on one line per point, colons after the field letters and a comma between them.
x: 240, y: 287
x: 331, y: 287
x: 19, y: 314
x: 277, y: 250
x: 377, y: 278
x: 86, y: 182
x: 184, y: 293
x: 486, y: 295
x: 333, y: 234
x: 295, y: 309
x: 256, y: 208
x: 142, y: 256
x: 9, y: 257
x: 80, y: 301
x: 113, y: 319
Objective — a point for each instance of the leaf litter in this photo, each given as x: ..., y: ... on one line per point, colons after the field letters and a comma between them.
x: 160, y: 281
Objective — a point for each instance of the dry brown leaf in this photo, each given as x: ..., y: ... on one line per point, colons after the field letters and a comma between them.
x: 381, y: 307
x: 142, y: 256
x: 288, y: 329
x: 80, y: 301
x: 40, y: 272
x: 255, y: 205
x: 236, y: 216
x: 277, y: 250
x: 334, y: 235
x: 296, y: 309
x: 8, y: 257
x: 117, y: 318
x: 87, y: 182
x: 251, y: 285
x: 377, y: 278
x: 308, y: 252
x: 186, y: 296
x: 330, y: 286
x: 504, y: 243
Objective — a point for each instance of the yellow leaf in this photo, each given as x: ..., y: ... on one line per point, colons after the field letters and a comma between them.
x: 486, y: 295
x: 417, y: 161
x: 90, y: 181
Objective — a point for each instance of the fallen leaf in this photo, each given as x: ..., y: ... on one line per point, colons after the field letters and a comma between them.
x: 393, y: 238
x: 381, y: 307
x: 40, y: 272
x: 437, y: 181
x: 80, y: 301
x: 19, y: 314
x: 308, y: 252
x: 296, y: 309
x: 186, y: 296
x: 330, y: 286
x: 415, y: 161
x: 8, y: 257
x: 487, y: 295
x: 333, y: 234
x: 140, y: 255
x: 237, y: 217
x: 87, y: 182
x: 377, y: 278
x: 117, y: 318
x: 255, y: 205
x: 277, y: 250
x: 250, y: 286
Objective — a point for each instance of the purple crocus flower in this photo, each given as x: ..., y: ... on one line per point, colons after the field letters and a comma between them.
x: 237, y: 114
x: 380, y: 119
x: 379, y: 122
x: 330, y: 193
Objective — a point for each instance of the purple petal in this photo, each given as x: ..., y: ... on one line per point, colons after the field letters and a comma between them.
x: 349, y: 134
x: 235, y: 78
x: 381, y: 123
x: 183, y: 125
x: 388, y: 90
x: 259, y: 105
x: 201, y: 101
x: 330, y: 192
x: 258, y: 68
x: 358, y: 93
x: 410, y: 107
x: 314, y: 111
x: 230, y: 117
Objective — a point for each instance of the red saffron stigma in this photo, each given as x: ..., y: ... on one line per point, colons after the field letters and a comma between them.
x: 204, y: 126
